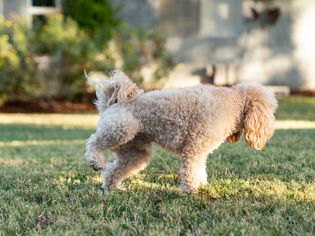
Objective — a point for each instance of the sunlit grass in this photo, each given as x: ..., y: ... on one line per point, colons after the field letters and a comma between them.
x: 295, y: 124
x: 43, y: 173
x: 39, y: 142
x: 236, y: 188
x: 64, y: 120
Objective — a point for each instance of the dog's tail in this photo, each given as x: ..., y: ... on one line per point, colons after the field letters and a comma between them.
x: 117, y: 89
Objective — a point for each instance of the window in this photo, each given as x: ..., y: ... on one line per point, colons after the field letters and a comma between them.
x: 40, y: 8
x: 43, y: 3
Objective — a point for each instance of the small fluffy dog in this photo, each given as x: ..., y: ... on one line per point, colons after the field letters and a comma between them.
x: 190, y: 122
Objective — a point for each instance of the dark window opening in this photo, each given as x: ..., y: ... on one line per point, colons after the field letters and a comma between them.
x: 43, y: 3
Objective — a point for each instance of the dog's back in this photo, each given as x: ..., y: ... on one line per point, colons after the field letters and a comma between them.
x: 175, y: 117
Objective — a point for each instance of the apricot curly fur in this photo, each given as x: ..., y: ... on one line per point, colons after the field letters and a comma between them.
x: 190, y: 122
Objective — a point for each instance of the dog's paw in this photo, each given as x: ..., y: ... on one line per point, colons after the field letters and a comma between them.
x: 189, y: 190
x: 105, y: 190
x: 96, y: 167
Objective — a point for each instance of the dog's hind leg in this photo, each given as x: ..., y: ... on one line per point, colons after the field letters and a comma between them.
x: 113, y: 132
x: 128, y: 163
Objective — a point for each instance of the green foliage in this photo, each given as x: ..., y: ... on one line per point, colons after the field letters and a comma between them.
x: 139, y: 49
x: 17, y: 66
x: 71, y: 50
x: 43, y: 173
x: 94, y: 16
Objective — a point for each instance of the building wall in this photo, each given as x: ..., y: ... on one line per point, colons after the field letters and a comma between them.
x: 203, y: 32
x: 221, y: 18
x: 303, y: 38
x: 268, y: 51
x: 214, y: 32
x: 13, y: 8
x: 282, y: 54
x: 1, y: 8
x: 181, y: 20
x: 141, y: 14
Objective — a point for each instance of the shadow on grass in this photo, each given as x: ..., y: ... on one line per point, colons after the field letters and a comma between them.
x: 25, y: 132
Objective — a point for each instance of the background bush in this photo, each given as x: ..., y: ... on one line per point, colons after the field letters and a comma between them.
x: 97, y: 17
x: 18, y: 71
x: 71, y: 51
x: 138, y: 50
x: 72, y: 45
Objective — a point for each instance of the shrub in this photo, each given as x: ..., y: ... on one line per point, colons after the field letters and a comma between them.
x: 141, y: 49
x: 18, y: 75
x: 70, y: 51
x: 97, y: 17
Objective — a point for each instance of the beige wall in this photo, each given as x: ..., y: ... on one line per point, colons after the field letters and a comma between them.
x: 12, y: 8
x: 282, y: 54
x: 1, y: 8
x: 304, y: 40
x: 221, y: 18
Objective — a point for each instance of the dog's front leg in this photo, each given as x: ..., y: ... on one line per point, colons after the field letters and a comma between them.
x: 127, y: 163
x: 193, y: 173
x: 94, y: 153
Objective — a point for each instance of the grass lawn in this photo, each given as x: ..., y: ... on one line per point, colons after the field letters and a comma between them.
x: 47, y: 188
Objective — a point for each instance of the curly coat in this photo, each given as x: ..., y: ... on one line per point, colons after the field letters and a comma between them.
x: 190, y: 122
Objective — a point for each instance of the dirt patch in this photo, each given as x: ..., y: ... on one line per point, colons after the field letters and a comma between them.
x: 305, y: 93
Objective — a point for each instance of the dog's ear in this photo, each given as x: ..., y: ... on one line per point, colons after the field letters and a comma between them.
x: 259, y: 121
x: 118, y: 89
x: 121, y: 92
x: 128, y: 91
x: 110, y: 94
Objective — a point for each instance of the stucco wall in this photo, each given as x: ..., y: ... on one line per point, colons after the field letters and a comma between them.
x: 279, y: 54
x: 282, y: 54
x: 138, y: 13
x: 1, y: 8
x: 12, y: 8
x: 303, y: 38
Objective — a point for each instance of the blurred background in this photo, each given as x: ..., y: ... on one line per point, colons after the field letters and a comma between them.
x: 45, y: 46
x: 46, y: 186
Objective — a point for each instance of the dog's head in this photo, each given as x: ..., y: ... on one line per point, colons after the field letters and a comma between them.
x: 258, y: 121
x: 117, y: 89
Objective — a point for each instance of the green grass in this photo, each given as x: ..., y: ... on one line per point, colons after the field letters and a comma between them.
x: 43, y: 173
x: 297, y: 108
